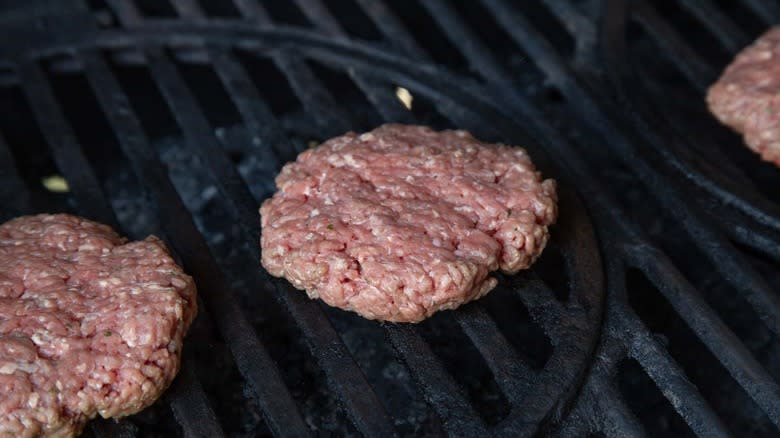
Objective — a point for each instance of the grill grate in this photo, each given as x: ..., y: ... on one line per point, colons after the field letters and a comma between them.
x: 717, y: 205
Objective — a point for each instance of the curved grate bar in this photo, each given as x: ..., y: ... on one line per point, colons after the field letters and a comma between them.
x: 600, y: 406
x: 318, y: 14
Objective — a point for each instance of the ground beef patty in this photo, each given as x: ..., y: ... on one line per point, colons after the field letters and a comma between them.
x: 747, y: 96
x: 89, y: 324
x: 400, y: 222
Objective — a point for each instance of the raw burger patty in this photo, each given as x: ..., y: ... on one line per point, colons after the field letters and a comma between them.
x: 747, y: 96
x: 89, y: 324
x: 400, y: 222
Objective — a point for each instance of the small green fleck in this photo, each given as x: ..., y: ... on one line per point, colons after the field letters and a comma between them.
x: 509, y: 212
x: 515, y: 228
x: 54, y: 390
x: 107, y: 333
x: 769, y: 110
x: 330, y: 226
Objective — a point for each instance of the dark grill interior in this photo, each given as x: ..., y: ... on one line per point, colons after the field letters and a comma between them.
x: 654, y: 310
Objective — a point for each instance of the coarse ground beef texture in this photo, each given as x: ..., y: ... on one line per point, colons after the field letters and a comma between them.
x: 89, y: 324
x: 747, y: 95
x: 400, y: 222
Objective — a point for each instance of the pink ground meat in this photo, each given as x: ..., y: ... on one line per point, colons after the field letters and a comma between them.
x: 89, y: 324
x: 747, y: 96
x: 400, y: 222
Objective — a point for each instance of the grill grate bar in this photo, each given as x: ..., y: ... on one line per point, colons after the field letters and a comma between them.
x: 601, y: 405
x: 72, y: 162
x: 392, y: 28
x: 262, y: 126
x: 768, y: 11
x: 191, y: 408
x: 439, y: 389
x: 102, y: 428
x: 721, y: 26
x: 379, y: 95
x: 751, y: 235
x: 197, y: 132
x: 619, y: 420
x: 64, y: 146
x: 709, y: 328
x: 542, y: 304
x: 459, y: 33
x: 13, y: 194
x: 125, y: 10
x: 318, y: 14
x: 671, y: 380
x: 188, y: 8
x: 253, y: 10
x: 252, y: 358
x: 316, y: 100
x: 510, y: 370
x: 361, y: 403
x: 690, y: 63
x: 578, y: 26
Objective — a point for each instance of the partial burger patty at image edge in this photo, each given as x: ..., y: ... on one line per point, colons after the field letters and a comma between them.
x: 89, y: 324
x: 747, y: 95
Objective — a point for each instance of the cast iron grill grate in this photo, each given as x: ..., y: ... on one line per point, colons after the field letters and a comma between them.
x: 172, y: 117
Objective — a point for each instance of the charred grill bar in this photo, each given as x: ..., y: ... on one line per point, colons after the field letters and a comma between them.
x: 564, y: 79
